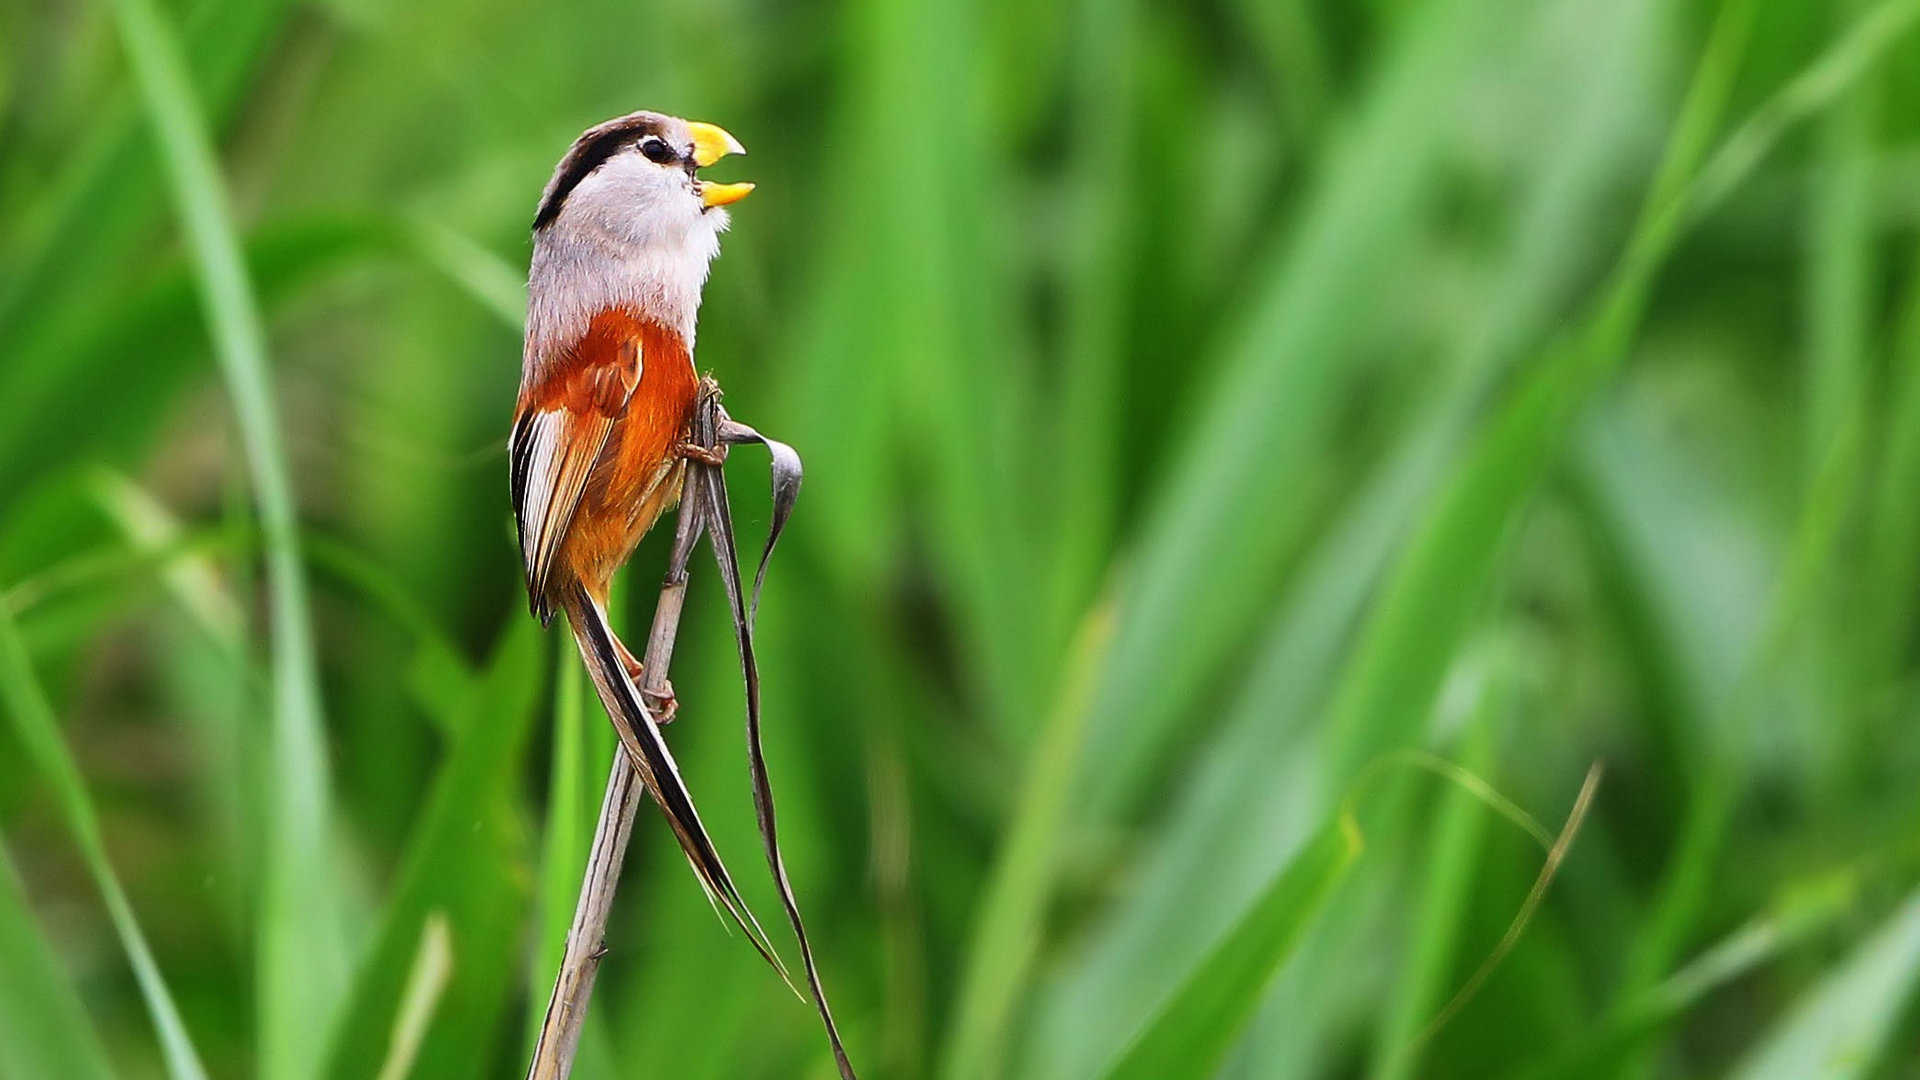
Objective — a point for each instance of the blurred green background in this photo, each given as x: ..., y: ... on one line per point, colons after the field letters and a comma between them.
x: 1234, y: 430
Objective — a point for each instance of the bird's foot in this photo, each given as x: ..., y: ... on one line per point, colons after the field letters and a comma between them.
x: 661, y: 703
x: 701, y: 454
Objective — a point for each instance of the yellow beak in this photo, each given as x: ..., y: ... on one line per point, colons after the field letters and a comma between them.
x: 713, y: 194
x: 711, y: 143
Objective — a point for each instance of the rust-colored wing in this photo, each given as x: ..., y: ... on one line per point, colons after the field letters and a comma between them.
x: 568, y: 407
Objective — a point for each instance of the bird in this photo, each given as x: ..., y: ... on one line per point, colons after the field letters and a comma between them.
x: 622, y: 242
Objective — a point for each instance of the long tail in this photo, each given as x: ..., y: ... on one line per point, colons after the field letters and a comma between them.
x: 648, y: 753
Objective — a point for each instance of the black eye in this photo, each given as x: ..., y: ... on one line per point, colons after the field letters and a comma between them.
x: 658, y: 151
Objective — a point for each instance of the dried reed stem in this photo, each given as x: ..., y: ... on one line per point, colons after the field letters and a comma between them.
x: 553, y: 1054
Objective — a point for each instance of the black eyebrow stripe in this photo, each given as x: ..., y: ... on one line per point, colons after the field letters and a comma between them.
x: 588, y: 153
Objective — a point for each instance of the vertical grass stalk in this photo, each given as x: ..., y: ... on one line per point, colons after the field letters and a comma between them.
x: 301, y: 963
x: 39, y: 733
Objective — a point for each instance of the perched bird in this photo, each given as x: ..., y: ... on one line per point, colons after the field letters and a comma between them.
x: 621, y: 245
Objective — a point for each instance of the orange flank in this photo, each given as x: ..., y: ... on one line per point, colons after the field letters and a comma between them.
x: 636, y: 475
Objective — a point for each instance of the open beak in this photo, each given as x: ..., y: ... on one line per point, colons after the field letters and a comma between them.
x: 711, y: 143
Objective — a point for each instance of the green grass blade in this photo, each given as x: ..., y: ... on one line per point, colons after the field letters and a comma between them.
x: 1011, y: 916
x: 115, y: 568
x: 1194, y: 565
x: 1690, y: 571
x: 1289, y: 36
x: 1840, y: 235
x: 44, y: 1030
x: 86, y: 216
x: 383, y: 592
x: 1388, y: 686
x: 1895, y: 529
x: 1085, y: 480
x: 570, y: 821
x: 1441, y: 581
x: 217, y: 685
x: 1454, y: 856
x: 39, y: 732
x: 932, y: 292
x: 432, y: 966
x: 1600, y: 1054
x: 1687, y: 557
x: 161, y: 323
x: 1842, y: 312
x: 1688, y: 879
x: 1431, y: 598
x: 1840, y: 1030
x: 1204, y: 863
x: 483, y: 275
x: 152, y: 529
x: 466, y: 860
x: 302, y: 954
x: 1199, y: 1024
x: 1833, y: 74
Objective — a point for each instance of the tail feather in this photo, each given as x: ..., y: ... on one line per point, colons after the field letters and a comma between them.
x: 648, y: 753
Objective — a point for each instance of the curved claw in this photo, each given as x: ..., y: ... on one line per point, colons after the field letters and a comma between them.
x: 695, y: 452
x: 662, y: 703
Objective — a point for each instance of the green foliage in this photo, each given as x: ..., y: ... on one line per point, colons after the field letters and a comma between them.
x: 37, y: 730
x: 1205, y: 1016
x: 1844, y: 1026
x: 46, y: 1030
x: 301, y: 955
x: 464, y: 868
x: 1208, y: 410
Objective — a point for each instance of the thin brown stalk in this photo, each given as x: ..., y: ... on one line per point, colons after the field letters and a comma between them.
x: 703, y: 507
x: 1581, y: 804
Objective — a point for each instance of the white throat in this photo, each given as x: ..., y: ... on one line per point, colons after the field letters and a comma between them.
x: 633, y: 236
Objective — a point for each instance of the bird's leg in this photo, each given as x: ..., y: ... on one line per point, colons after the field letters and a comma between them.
x: 662, y: 705
x: 695, y: 452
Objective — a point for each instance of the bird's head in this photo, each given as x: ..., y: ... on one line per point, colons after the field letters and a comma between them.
x: 627, y: 222
x: 639, y: 175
